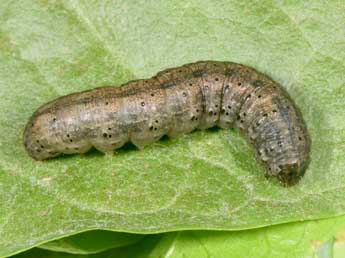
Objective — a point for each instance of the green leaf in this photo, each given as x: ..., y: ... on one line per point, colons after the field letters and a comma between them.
x: 318, y: 239
x: 142, y: 249
x: 91, y: 242
x: 204, y: 180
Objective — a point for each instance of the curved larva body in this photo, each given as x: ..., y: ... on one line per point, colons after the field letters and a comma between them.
x: 176, y: 101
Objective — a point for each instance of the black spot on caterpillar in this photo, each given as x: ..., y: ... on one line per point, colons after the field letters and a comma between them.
x: 175, y: 101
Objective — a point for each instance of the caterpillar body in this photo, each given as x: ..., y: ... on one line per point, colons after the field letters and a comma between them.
x: 173, y: 102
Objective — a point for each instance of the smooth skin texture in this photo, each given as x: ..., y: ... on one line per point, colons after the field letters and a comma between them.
x: 179, y: 100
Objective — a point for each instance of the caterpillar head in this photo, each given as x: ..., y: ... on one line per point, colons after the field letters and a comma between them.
x: 290, y: 174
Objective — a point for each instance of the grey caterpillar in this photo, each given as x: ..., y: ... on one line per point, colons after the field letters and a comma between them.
x: 176, y: 101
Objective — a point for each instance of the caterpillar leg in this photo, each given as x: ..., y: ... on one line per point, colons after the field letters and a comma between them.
x: 140, y: 143
x: 108, y: 150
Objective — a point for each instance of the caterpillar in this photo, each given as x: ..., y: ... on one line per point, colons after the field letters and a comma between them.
x: 175, y: 101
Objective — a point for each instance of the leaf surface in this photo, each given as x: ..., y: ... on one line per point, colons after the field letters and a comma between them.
x: 91, y: 242
x: 204, y: 180
x: 317, y: 239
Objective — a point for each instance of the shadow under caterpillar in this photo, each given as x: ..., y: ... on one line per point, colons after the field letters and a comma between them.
x: 176, y: 101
